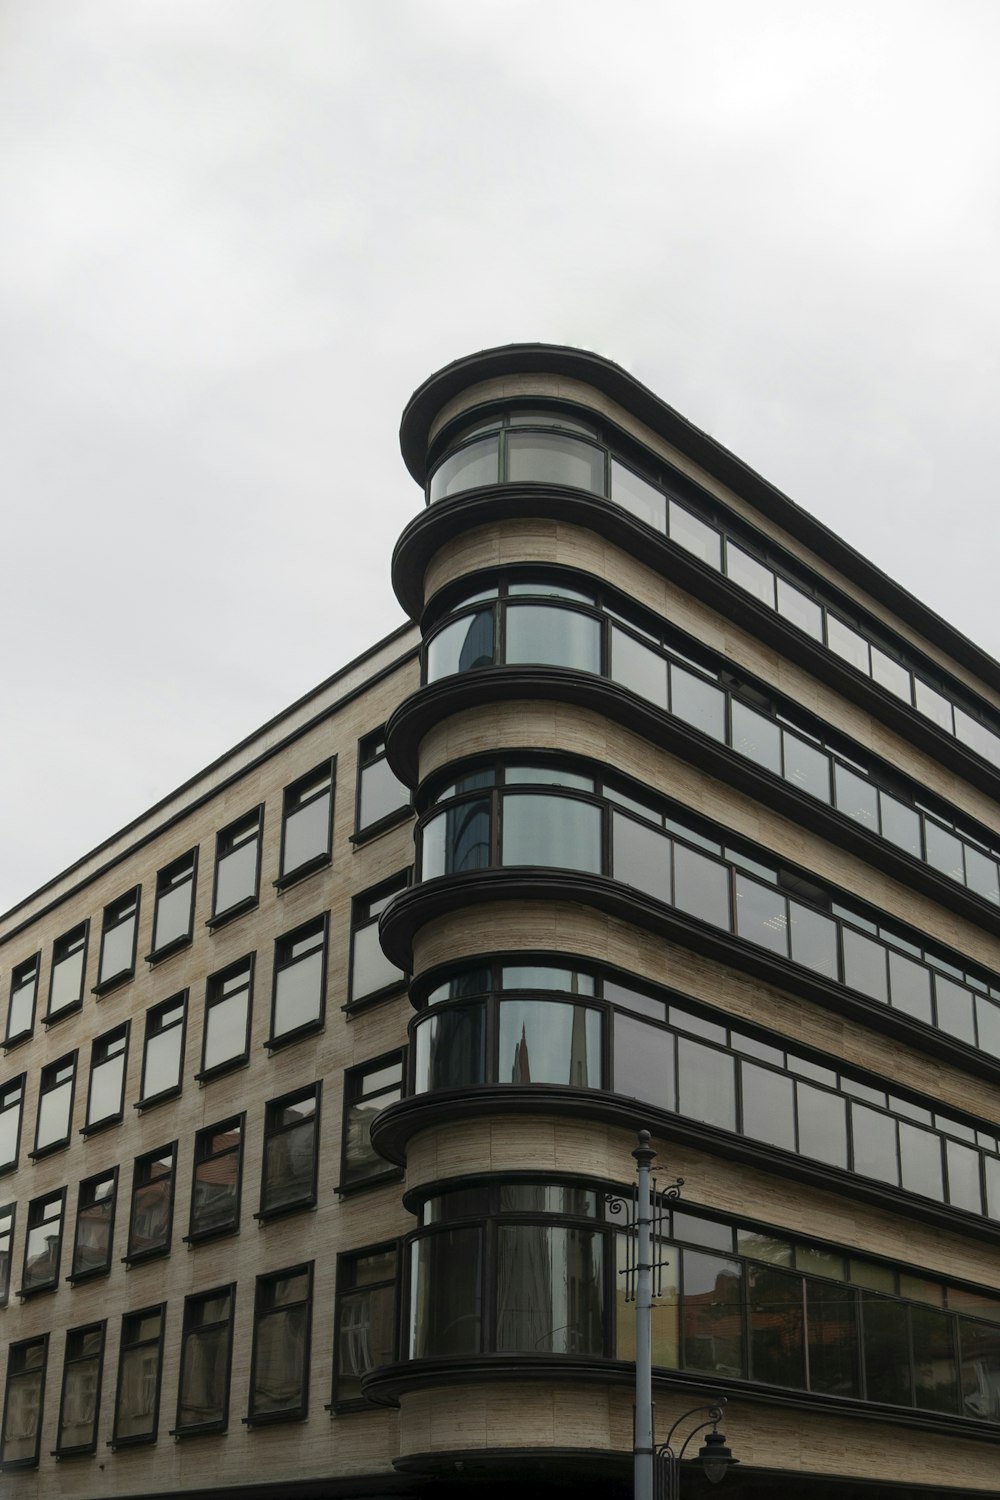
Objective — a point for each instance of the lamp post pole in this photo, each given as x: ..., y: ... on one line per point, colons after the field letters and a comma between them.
x: 644, y: 1156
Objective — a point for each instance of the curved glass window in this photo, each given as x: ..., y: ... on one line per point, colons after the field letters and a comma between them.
x: 513, y: 455
x: 594, y: 637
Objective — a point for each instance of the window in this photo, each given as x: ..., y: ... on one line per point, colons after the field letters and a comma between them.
x: 137, y: 1400
x: 226, y: 1041
x: 11, y: 1106
x: 108, y: 1058
x: 69, y: 960
x: 279, y: 1373
x: 23, y: 1403
x: 215, y: 1190
x: 307, y: 827
x: 44, y: 1242
x: 80, y: 1404
x: 382, y: 797
x: 291, y: 1152
x: 206, y: 1351
x: 118, y: 934
x: 7, y: 1216
x: 23, y: 994
x: 365, y: 1318
x: 151, y: 1218
x: 367, y: 1090
x: 372, y: 974
x: 95, y: 1226
x: 174, y: 915
x: 55, y: 1105
x: 163, y: 1054
x: 299, y: 998
x: 237, y: 867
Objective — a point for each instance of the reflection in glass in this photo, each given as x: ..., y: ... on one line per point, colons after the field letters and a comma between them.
x: 467, y: 469
x: 549, y: 1042
x: 456, y: 840
x: 451, y: 1049
x: 832, y: 1320
x: 550, y: 1290
x: 761, y: 915
x: 644, y: 1062
x: 463, y: 645
x: 445, y: 1294
x: 557, y: 637
x: 756, y: 736
x: 713, y: 1322
x: 560, y: 832
x: 777, y: 1350
x: 808, y: 767
x: 886, y: 1350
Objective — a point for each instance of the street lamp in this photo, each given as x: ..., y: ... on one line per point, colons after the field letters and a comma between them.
x: 716, y: 1457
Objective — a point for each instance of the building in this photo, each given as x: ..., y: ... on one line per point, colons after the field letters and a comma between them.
x: 321, y: 1080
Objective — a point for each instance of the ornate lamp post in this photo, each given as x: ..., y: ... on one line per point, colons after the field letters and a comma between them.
x: 716, y: 1458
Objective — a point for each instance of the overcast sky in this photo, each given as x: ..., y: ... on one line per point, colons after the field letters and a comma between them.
x: 235, y: 235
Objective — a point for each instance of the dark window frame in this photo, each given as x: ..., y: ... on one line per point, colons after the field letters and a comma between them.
x: 8, y: 1226
x: 387, y: 1172
x: 346, y: 1290
x: 261, y: 1313
x: 362, y: 903
x: 214, y: 996
x: 34, y: 1220
x: 106, y: 1039
x: 134, y: 1319
x: 14, y: 1085
x: 371, y: 752
x: 27, y: 967
x: 321, y: 924
x: 8, y: 1465
x: 145, y: 1101
x: 77, y: 1449
x: 69, y: 1059
x: 272, y: 1109
x: 291, y: 804
x: 202, y: 1155
x: 191, y: 1303
x: 75, y: 940
x: 168, y: 879
x: 88, y: 1185
x: 131, y: 902
x: 141, y: 1164
x: 237, y: 833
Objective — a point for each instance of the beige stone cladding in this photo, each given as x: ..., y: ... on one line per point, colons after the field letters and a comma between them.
x: 321, y: 1445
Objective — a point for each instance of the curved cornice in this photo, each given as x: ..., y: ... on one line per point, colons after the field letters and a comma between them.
x: 433, y: 527
x: 617, y: 384
x: 428, y: 706
x: 426, y: 902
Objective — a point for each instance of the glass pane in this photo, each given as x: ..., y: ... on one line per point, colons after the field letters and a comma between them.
x: 550, y: 1290
x: 53, y: 1116
x: 635, y: 495
x: 10, y: 1120
x: 79, y: 1404
x: 756, y: 737
x: 799, y: 609
x: 226, y: 1030
x: 280, y: 1364
x: 706, y: 1084
x: 541, y: 458
x: 22, y: 1007
x: 887, y: 1350
x: 987, y: 1024
x: 768, y: 1106
x: 456, y: 840
x: 749, y: 574
x: 136, y: 1414
x: 698, y: 702
x: 150, y: 1226
x: 298, y: 995
x: 955, y: 1009
x: 976, y: 735
x: 890, y: 675
x: 980, y: 1345
x: 466, y: 469
x: 981, y: 875
x: 381, y: 793
x: 236, y: 877
x: 557, y: 637
x: 856, y: 798
x: 665, y: 1316
x: 874, y: 1139
x: 932, y: 704
x: 713, y: 1321
x: 637, y: 668
x: 761, y: 915
x: 23, y: 1410
x: 116, y: 949
x: 910, y: 986
x: 935, y: 1368
x: 701, y: 886
x: 900, y: 824
x: 695, y: 536
x: 644, y: 1062
x: 107, y: 1081
x: 559, y: 832
x: 832, y: 1321
x: 641, y: 857
x: 163, y: 1061
x: 451, y: 1049
x: 67, y: 981
x: 173, y: 914
x: 370, y: 969
x: 445, y: 1294
x: 204, y: 1378
x: 366, y: 1337
x: 777, y: 1346
x: 944, y: 851
x: 216, y: 1188
x: 920, y: 1156
x: 964, y: 1189
x: 814, y: 940
x: 865, y: 965
x: 548, y: 1042
x: 847, y: 643
x: 92, y: 1249
x: 463, y: 645
x: 307, y: 834
x: 822, y: 1125
x: 289, y: 1161
x: 807, y: 767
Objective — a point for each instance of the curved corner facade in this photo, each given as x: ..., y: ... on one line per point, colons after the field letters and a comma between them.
x: 706, y: 842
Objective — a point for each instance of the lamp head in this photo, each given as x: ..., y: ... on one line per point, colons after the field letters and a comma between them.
x: 716, y: 1458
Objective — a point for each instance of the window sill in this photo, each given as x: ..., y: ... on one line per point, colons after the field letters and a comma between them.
x: 347, y: 1189
x: 27, y: 1292
x: 99, y: 1125
x: 218, y: 1232
x: 141, y: 1256
x: 10, y: 1042
x: 139, y: 1441
x: 125, y: 976
x: 231, y: 1065
x: 289, y: 1038
x: 301, y: 872
x: 367, y: 1002
x: 54, y: 1017
x: 154, y: 1100
x: 76, y: 1277
x: 223, y: 918
x: 276, y: 1419
x: 8, y: 1167
x: 354, y: 1404
x: 61, y: 1453
x: 41, y: 1152
x: 395, y: 819
x: 217, y: 1429
x: 168, y: 950
x: 266, y: 1215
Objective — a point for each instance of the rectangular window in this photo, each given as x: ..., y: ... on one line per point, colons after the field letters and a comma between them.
x: 69, y: 960
x: 95, y: 1226
x: 291, y: 1152
x: 367, y: 1090
x: 163, y: 1054
x: 365, y: 1318
x: 279, y: 1373
x: 43, y: 1245
x: 140, y: 1362
x: 228, y: 996
x: 55, y: 1105
x: 215, y: 1189
x: 382, y: 797
x: 7, y: 1216
x: 237, y: 867
x: 152, y: 1213
x: 206, y: 1352
x: 298, y: 1001
x: 307, y: 825
x: 23, y: 994
x: 372, y: 974
x: 118, y: 936
x: 174, y: 915
x: 23, y: 1403
x: 80, y: 1404
x: 11, y: 1108
x: 108, y: 1059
